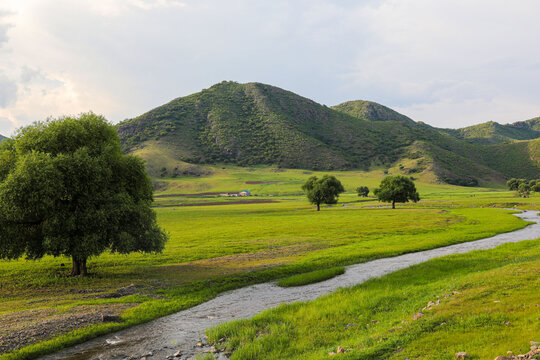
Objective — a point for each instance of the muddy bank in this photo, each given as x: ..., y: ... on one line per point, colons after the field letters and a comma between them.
x: 22, y: 328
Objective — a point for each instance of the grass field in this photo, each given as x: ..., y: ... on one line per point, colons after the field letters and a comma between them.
x: 213, y: 248
x: 489, y: 304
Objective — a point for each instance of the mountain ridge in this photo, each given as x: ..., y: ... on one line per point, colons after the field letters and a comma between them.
x: 253, y: 123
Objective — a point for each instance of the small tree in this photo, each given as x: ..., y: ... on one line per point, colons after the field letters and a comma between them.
x: 67, y: 189
x: 396, y: 188
x: 536, y: 186
x: 524, y: 190
x: 325, y: 190
x: 512, y: 184
x: 362, y: 191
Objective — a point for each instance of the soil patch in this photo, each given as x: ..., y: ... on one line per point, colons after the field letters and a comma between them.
x: 262, y: 182
x: 233, y: 202
x: 196, y: 194
x: 22, y: 328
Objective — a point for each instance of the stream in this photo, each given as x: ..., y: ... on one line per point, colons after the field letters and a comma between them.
x: 162, y: 337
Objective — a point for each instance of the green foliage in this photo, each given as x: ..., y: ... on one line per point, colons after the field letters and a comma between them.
x: 67, y: 189
x: 311, y: 277
x: 396, y: 188
x: 524, y: 189
x: 325, y: 190
x: 513, y: 184
x: 362, y: 191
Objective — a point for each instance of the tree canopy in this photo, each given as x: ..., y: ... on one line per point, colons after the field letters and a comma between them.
x: 325, y: 190
x: 362, y: 191
x: 396, y: 188
x: 67, y: 189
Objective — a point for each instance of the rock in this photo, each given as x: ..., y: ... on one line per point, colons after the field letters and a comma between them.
x: 455, y: 293
x: 199, y: 344
x: 461, y: 355
x: 213, y: 349
x: 111, y: 318
x: 331, y: 353
x: 417, y: 316
x: 503, y: 358
x: 374, y: 322
x: 507, y: 323
x: 340, y: 350
x: 177, y: 354
x: 430, y: 304
x: 533, y: 352
x: 222, y: 340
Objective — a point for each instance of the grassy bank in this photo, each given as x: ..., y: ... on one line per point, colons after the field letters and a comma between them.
x: 488, y: 304
x: 311, y: 277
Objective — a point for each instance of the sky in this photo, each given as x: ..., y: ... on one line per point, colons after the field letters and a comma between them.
x: 448, y: 63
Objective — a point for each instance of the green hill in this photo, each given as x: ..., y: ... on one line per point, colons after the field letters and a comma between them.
x: 253, y: 123
x: 494, y: 133
x: 2, y: 138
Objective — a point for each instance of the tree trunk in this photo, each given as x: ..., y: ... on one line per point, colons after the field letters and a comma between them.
x: 78, y: 267
x: 393, y: 204
x: 318, y: 207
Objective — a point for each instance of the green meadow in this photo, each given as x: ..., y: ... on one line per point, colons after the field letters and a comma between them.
x: 220, y: 243
x: 484, y: 303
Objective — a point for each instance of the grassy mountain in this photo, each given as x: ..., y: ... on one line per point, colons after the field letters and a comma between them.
x: 494, y: 133
x: 249, y: 124
x: 2, y: 138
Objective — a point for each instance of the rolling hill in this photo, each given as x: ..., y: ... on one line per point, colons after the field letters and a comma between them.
x: 494, y: 133
x: 253, y: 123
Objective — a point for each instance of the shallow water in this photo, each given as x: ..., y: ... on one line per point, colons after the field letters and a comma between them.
x: 164, y: 336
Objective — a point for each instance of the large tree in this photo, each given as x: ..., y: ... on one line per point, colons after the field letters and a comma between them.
x: 396, y: 188
x: 67, y: 189
x: 325, y: 190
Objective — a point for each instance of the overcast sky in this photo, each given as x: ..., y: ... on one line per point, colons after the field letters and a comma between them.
x: 448, y: 63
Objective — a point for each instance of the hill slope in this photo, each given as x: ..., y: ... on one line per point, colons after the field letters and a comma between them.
x: 249, y: 124
x: 493, y: 133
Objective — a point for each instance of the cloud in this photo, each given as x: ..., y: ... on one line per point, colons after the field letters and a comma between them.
x: 4, y: 27
x: 8, y: 91
x: 446, y: 63
x: 117, y: 8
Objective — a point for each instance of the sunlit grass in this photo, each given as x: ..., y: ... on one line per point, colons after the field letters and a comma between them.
x: 489, y: 304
